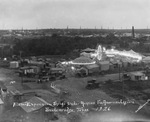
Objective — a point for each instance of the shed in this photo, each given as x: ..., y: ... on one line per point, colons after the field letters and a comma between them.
x: 82, y: 71
x: 37, y: 63
x: 36, y: 69
x: 52, y: 65
x: 1, y: 106
x: 57, y: 70
x: 137, y: 76
x: 85, y: 54
x: 1, y: 102
x: 124, y: 63
x: 111, y: 66
x: 104, y: 65
x: 93, y: 68
x: 14, y: 64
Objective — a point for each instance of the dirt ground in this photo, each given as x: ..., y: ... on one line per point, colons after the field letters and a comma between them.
x: 77, y: 92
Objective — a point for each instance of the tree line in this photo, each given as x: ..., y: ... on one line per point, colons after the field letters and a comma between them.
x: 62, y: 45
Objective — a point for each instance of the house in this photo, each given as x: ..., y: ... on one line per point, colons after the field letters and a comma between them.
x: 137, y: 76
x: 37, y: 63
x: 93, y: 68
x: 30, y: 70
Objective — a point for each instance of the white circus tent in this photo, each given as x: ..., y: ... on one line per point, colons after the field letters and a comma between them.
x: 146, y: 59
x: 82, y: 61
x: 85, y: 54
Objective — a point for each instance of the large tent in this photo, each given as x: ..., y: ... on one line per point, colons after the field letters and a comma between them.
x: 146, y: 59
x: 130, y: 53
x: 85, y: 54
x: 1, y: 102
x: 133, y: 53
x: 88, y: 50
x: 83, y: 61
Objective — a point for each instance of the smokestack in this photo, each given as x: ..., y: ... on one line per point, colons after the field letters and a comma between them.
x: 133, y: 32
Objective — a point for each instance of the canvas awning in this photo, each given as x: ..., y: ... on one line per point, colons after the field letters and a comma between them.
x: 85, y: 54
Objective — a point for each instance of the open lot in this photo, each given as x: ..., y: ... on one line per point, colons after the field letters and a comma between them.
x: 139, y: 92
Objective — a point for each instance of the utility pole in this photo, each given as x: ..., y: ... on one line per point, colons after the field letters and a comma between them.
x: 20, y: 52
x: 119, y: 72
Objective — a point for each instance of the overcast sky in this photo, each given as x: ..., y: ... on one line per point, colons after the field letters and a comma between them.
x: 15, y: 14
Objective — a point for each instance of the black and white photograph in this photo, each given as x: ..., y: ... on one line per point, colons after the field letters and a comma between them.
x: 74, y: 60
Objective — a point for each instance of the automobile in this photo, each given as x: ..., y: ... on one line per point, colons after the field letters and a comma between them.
x: 92, y: 84
x: 126, y: 77
x: 45, y: 79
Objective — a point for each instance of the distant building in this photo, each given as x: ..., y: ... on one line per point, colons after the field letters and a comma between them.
x: 104, y: 35
x: 133, y: 44
x: 127, y: 35
x: 117, y: 35
x: 147, y: 44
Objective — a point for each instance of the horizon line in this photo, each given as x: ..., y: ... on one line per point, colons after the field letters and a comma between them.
x: 77, y: 28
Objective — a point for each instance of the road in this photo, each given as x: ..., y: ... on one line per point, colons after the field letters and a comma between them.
x: 114, y: 77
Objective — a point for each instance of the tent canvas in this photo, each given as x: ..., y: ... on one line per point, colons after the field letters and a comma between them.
x: 136, y: 76
x: 88, y: 50
x: 104, y: 65
x: 137, y: 73
x: 92, y: 66
x: 134, y: 53
x: 1, y: 102
x: 85, y: 54
x: 146, y: 59
x: 14, y: 64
